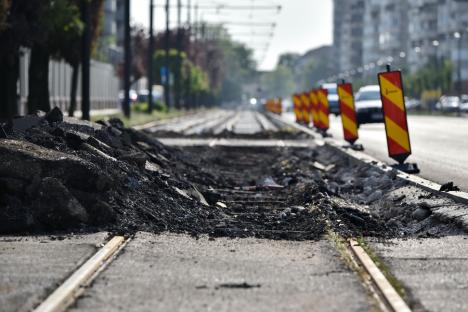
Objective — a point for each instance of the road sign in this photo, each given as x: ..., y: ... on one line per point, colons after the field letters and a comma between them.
x: 305, y: 108
x: 323, y: 109
x: 297, y: 108
x: 314, y: 108
x: 394, y: 110
x: 348, y: 112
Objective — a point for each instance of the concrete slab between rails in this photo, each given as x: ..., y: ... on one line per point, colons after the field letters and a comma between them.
x: 32, y: 266
x: 449, y: 213
x: 434, y: 270
x: 193, y: 142
x: 169, y: 272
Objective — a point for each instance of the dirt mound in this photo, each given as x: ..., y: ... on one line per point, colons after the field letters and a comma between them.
x: 65, y: 174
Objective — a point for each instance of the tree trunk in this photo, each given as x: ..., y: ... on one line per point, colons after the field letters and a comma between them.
x: 74, y: 89
x: 8, y: 93
x: 38, y: 97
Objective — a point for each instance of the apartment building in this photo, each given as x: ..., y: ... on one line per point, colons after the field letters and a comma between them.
x: 111, y: 41
x: 348, y: 32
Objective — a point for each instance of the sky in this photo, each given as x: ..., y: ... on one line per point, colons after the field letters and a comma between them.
x: 300, y: 26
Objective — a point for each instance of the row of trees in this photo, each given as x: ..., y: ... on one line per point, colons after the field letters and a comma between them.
x: 294, y: 72
x: 50, y: 29
x: 213, y: 68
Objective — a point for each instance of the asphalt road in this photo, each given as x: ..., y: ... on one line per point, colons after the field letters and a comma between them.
x: 439, y: 144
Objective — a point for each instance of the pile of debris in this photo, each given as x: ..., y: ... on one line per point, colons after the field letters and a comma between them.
x: 59, y: 173
x: 63, y: 174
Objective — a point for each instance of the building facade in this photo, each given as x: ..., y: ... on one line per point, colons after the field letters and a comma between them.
x: 348, y: 32
x: 406, y: 33
x: 111, y: 40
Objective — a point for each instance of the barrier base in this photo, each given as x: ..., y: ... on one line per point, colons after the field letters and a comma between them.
x: 407, y: 167
x: 354, y: 147
x: 325, y: 134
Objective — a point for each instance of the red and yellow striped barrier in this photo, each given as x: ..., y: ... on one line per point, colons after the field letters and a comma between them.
x: 305, y: 108
x: 297, y: 108
x: 323, y: 109
x: 348, y: 112
x: 394, y: 110
x: 314, y: 108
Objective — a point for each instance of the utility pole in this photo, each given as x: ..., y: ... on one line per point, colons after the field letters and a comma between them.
x: 85, y: 60
x: 128, y: 57
x: 167, y: 88
x: 179, y: 56
x: 458, y: 36
x: 188, y: 96
x: 150, y: 58
x: 195, y: 54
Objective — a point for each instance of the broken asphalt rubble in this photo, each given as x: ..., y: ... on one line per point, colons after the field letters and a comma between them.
x: 68, y: 175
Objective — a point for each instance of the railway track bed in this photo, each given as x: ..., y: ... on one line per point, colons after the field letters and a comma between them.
x: 267, y: 229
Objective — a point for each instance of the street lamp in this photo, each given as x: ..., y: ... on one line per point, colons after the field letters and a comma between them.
x: 457, y: 35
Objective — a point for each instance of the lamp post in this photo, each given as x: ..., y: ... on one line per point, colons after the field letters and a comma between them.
x: 150, y: 58
x: 458, y: 36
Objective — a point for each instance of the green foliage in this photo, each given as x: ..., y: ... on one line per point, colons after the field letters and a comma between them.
x: 436, y: 75
x: 142, y: 107
x: 194, y: 81
x: 64, y: 27
x: 4, y: 7
x: 239, y: 69
x: 314, y: 71
x: 279, y: 83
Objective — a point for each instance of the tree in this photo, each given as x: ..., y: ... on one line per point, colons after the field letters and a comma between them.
x: 71, y: 51
x: 4, y: 7
x: 194, y: 80
x: 61, y: 26
x: 435, y: 75
x: 238, y: 68
x: 279, y: 83
x: 289, y: 60
x: 20, y: 28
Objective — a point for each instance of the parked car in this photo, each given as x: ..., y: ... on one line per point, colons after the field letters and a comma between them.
x: 133, y: 95
x: 143, y: 95
x: 464, y: 107
x: 369, y: 104
x: 448, y: 103
x: 332, y: 98
x: 412, y: 104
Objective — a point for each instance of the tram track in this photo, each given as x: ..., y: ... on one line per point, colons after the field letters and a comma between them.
x: 253, y: 210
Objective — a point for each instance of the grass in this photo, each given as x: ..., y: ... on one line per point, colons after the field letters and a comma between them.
x: 400, y: 289
x: 140, y: 117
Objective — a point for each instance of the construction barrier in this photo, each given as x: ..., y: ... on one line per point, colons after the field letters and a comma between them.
x: 305, y: 108
x: 274, y: 106
x: 348, y: 112
x: 323, y: 109
x: 394, y: 111
x: 297, y: 108
x: 314, y: 108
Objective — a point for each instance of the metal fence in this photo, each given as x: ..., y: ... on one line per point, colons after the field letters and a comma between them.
x: 104, y: 85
